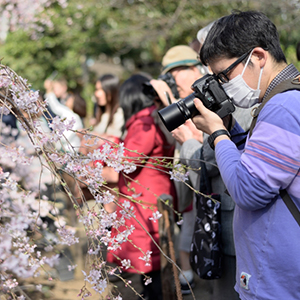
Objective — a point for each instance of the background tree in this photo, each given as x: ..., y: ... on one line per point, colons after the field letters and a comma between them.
x: 70, y: 36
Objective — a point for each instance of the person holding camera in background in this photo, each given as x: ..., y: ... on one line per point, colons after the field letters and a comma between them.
x: 243, y: 51
x: 181, y: 63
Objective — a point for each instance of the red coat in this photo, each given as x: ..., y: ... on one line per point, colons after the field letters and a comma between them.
x: 144, y: 136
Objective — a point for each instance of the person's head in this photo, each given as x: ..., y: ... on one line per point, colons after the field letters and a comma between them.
x: 195, y: 45
x: 106, y: 90
x: 60, y: 88
x: 77, y: 104
x: 182, y: 62
x: 244, y: 37
x: 132, y: 97
x: 233, y: 35
x: 107, y: 96
x: 202, y: 34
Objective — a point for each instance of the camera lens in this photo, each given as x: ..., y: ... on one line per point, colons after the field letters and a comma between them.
x: 171, y: 116
x: 212, y: 95
x: 177, y: 113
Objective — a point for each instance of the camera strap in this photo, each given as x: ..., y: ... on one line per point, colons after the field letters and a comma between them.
x: 287, y: 85
x: 243, y: 140
x: 284, y: 86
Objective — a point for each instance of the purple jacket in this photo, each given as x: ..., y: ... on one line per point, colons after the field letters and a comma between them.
x: 267, y: 237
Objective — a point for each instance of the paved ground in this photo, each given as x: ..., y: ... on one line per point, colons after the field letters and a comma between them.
x: 69, y: 289
x: 66, y: 286
x: 200, y: 291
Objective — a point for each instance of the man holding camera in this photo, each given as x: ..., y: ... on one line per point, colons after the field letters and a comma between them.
x: 190, y: 153
x: 243, y: 51
x: 191, y: 147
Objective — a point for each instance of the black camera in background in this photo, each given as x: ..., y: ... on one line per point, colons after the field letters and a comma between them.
x: 209, y: 91
x: 168, y: 79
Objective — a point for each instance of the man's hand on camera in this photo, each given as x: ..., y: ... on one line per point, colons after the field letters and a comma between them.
x: 208, y: 121
x: 161, y: 88
x: 186, y: 132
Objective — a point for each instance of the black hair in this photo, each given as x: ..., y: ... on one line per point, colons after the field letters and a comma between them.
x: 79, y: 104
x: 110, y: 84
x: 132, y: 97
x: 233, y: 35
x: 298, y: 51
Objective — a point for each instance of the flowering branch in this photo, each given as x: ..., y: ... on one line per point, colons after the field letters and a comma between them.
x: 23, y: 211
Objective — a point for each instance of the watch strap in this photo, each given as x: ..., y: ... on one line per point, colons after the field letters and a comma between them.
x: 214, y: 135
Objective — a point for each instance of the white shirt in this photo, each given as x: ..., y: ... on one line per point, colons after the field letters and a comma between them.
x: 63, y: 111
x: 115, y: 128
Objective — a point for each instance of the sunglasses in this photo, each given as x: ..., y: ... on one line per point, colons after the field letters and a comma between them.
x: 222, y: 76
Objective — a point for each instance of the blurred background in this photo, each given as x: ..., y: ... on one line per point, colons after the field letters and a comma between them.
x: 81, y: 40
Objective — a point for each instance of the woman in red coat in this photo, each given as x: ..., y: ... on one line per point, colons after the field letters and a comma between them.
x: 145, y: 184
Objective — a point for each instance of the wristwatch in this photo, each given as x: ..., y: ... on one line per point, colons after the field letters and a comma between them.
x: 214, y: 135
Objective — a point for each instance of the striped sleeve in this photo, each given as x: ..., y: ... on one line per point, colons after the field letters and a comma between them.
x: 271, y: 160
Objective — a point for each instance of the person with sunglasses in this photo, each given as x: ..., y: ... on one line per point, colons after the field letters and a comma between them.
x: 243, y: 51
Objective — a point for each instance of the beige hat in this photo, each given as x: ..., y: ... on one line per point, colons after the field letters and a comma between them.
x: 178, y: 56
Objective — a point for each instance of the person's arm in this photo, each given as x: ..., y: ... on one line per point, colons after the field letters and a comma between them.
x: 117, y: 123
x: 161, y: 89
x: 270, y: 161
x: 187, y: 131
x: 64, y: 112
x: 110, y: 175
x: 190, y: 154
x: 58, y: 108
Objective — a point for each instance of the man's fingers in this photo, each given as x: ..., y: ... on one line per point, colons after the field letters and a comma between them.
x: 199, y: 105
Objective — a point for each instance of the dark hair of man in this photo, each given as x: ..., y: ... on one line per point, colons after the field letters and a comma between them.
x: 110, y: 85
x: 233, y: 35
x: 132, y: 98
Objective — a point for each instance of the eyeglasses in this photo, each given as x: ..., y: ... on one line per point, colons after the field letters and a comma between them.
x: 222, y: 76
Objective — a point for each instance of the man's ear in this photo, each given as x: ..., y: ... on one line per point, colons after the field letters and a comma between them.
x: 261, y: 55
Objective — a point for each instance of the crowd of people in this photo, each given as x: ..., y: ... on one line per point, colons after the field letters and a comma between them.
x: 259, y: 233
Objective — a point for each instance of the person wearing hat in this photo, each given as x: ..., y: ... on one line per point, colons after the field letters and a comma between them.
x: 182, y: 62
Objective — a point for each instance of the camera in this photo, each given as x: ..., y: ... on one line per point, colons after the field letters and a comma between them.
x: 168, y: 79
x: 209, y: 90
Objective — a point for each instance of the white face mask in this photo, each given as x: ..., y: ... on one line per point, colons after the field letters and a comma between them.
x: 242, y: 95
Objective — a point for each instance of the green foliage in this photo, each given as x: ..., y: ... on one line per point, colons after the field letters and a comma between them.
x: 136, y: 32
x: 291, y: 57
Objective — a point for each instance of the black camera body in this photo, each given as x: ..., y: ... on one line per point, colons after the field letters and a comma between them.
x: 168, y: 79
x: 209, y: 91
